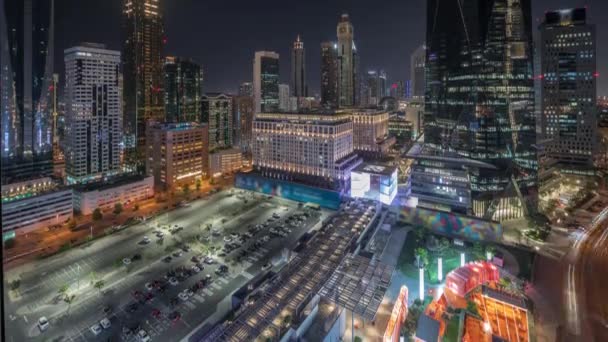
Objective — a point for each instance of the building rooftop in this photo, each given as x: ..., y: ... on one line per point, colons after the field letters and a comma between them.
x: 110, y: 183
x: 179, y: 126
x: 428, y: 328
x: 419, y: 151
x: 378, y: 169
x: 321, y: 117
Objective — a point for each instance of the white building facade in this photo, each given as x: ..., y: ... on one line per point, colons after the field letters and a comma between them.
x: 93, y: 130
x: 105, y: 197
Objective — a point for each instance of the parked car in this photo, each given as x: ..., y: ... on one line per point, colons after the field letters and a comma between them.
x: 126, y: 261
x: 105, y: 323
x: 143, y: 336
x: 173, y: 281
x: 43, y: 323
x: 96, y: 329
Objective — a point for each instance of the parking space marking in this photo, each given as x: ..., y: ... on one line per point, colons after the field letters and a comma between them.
x: 208, y: 292
x: 223, y: 280
x: 216, y: 286
x: 190, y: 305
x: 199, y: 298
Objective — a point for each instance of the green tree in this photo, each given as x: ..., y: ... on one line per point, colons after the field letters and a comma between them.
x: 99, y: 284
x: 117, y: 208
x: 491, y: 250
x: 69, y: 299
x: 419, y: 233
x: 504, y: 282
x: 186, y: 189
x: 14, y: 285
x: 422, y: 256
x: 97, y: 215
x: 63, y: 289
x: 472, y: 308
x: 198, y: 184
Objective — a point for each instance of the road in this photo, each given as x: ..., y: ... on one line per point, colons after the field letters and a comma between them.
x: 41, y: 280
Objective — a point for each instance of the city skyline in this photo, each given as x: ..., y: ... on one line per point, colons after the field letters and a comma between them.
x: 386, y: 34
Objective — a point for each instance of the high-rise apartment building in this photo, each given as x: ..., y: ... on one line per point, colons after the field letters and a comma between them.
x: 299, y: 88
x: 316, y: 149
x: 183, y: 82
x: 246, y: 89
x: 567, y: 88
x: 142, y: 67
x: 417, y: 63
x: 266, y: 81
x: 347, y: 63
x: 26, y: 75
x: 284, y: 97
x: 329, y: 74
x: 93, y: 132
x: 242, y: 108
x: 382, y: 84
x: 176, y: 153
x: 480, y: 99
x: 370, y: 132
x: 217, y: 114
x: 370, y: 89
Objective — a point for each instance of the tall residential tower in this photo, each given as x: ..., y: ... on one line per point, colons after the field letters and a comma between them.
x: 182, y: 89
x: 329, y: 74
x: 347, y: 63
x: 93, y: 133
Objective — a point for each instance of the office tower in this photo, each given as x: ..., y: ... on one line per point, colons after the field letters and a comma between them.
x: 417, y: 63
x: 329, y: 74
x: 285, y: 146
x: 347, y: 63
x: 217, y: 114
x: 382, y: 85
x: 54, y: 89
x: 94, y: 113
x: 142, y: 68
x: 298, y: 69
x: 567, y: 88
x: 408, y: 89
x: 479, y: 100
x: 183, y: 84
x: 246, y: 89
x: 26, y: 71
x: 176, y: 153
x: 283, y: 97
x: 266, y: 81
x: 370, y: 89
x: 242, y: 107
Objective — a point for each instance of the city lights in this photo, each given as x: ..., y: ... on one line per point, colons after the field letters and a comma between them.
x: 440, y: 269
x: 421, y: 283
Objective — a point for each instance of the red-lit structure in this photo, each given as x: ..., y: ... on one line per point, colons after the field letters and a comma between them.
x: 464, y: 279
x: 398, y: 315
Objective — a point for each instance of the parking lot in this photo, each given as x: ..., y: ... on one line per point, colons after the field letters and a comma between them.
x: 242, y: 231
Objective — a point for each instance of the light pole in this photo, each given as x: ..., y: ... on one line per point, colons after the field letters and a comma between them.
x: 440, y: 269
x: 421, y: 283
x: 91, y: 228
x: 462, y: 260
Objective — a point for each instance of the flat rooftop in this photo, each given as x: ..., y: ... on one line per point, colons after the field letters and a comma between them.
x: 378, y: 169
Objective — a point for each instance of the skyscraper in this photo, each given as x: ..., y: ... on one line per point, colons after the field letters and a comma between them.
x: 371, y: 89
x: 142, y: 67
x: 480, y: 96
x: 567, y: 88
x: 298, y: 69
x: 94, y: 113
x: 347, y: 63
x: 329, y: 74
x: 26, y: 76
x: 417, y: 63
x: 246, y: 89
x: 182, y: 87
x: 382, y: 85
x: 217, y: 114
x: 283, y: 97
x: 266, y: 81
x: 242, y: 118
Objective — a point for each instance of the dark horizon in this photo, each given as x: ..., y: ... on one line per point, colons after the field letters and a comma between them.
x: 223, y: 37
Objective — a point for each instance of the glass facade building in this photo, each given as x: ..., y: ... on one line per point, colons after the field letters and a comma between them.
x: 26, y: 79
x: 142, y: 67
x: 329, y: 74
x: 480, y: 98
x: 266, y: 81
x: 183, y: 85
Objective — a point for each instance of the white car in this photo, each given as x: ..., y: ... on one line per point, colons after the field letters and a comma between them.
x: 183, y: 296
x: 145, y: 240
x: 96, y: 329
x: 227, y: 239
x: 209, y: 260
x: 143, y: 336
x: 126, y: 261
x: 266, y: 266
x: 173, y: 281
x: 43, y: 323
x: 149, y: 286
x: 195, y: 269
x: 105, y: 323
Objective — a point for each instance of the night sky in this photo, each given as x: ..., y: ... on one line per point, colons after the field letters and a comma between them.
x: 223, y: 35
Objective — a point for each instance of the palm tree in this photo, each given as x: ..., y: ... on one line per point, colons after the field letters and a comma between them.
x: 63, y: 290
x: 69, y: 299
x: 99, y: 285
x: 422, y: 256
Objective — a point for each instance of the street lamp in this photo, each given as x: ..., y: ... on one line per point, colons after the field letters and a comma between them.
x: 462, y: 260
x: 421, y: 283
x: 440, y: 269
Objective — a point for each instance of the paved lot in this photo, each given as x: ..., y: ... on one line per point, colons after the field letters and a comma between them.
x: 228, y: 211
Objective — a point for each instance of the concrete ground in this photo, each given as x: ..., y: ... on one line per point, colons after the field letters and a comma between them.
x: 41, y: 280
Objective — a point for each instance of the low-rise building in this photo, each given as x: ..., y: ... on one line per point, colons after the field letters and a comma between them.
x: 225, y: 161
x: 311, y: 148
x: 34, y: 204
x: 126, y: 191
x: 177, y: 153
